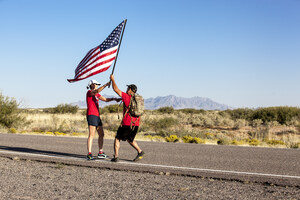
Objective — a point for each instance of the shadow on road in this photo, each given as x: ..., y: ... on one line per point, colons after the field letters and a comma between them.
x: 40, y: 152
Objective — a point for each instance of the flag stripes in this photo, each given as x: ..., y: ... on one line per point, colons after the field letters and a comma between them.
x: 100, y: 58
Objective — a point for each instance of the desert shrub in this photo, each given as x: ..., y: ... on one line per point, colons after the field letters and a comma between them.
x: 190, y: 139
x: 191, y: 111
x: 154, y: 137
x: 64, y: 127
x: 82, y: 112
x: 112, y: 127
x: 265, y: 115
x: 148, y: 137
x: 196, y: 121
x: 203, y: 120
x: 162, y: 124
x: 272, y: 124
x: 293, y: 122
x: 209, y: 119
x: 210, y: 136
x: 223, y: 141
x: 167, y: 110
x: 110, y: 122
x: 254, y: 142
x: 112, y: 109
x: 294, y: 145
x: 187, y: 139
x: 291, y: 141
x: 146, y: 124
x: 172, y: 138
x: 275, y: 142
x: 157, y: 138
x: 208, y: 122
x: 59, y: 133
x: 228, y: 122
x: 259, y: 133
x: 13, y: 130
x: 281, y: 114
x: 239, y: 123
x: 182, y: 131
x: 257, y: 122
x: 77, y: 134
x: 62, y: 108
x: 10, y: 112
x: 238, y: 142
x: 234, y: 142
x: 219, y: 121
x: 240, y: 113
x: 198, y: 140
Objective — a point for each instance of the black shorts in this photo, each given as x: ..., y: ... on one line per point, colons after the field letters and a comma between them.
x: 94, y: 120
x: 127, y: 133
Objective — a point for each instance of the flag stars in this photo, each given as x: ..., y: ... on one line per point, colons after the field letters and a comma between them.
x: 113, y: 39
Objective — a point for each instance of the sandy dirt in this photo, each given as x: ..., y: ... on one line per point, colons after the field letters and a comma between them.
x: 25, y: 179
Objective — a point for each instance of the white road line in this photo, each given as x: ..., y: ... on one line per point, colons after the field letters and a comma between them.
x: 161, y: 166
x: 39, y: 155
x: 213, y: 170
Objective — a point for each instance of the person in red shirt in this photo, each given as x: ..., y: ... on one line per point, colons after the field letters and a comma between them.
x: 130, y: 125
x: 93, y: 117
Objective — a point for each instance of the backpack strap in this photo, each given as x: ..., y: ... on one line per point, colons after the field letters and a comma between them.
x: 127, y: 111
x: 133, y: 122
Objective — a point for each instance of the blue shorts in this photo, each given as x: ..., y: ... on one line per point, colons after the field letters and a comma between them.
x: 94, y: 120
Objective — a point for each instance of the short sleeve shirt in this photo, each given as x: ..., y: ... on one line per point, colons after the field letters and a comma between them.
x: 92, y: 103
x: 127, y: 119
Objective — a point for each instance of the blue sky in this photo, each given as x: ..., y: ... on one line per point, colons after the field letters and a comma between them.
x: 236, y: 52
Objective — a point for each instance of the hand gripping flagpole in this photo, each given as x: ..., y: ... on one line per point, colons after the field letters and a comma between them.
x: 118, y: 49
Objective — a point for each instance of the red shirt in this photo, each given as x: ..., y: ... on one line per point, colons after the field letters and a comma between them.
x: 127, y: 119
x: 92, y: 103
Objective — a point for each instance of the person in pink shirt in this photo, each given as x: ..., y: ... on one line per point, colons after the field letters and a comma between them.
x: 93, y: 117
x: 130, y: 124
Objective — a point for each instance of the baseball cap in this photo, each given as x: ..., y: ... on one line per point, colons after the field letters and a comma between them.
x: 132, y: 87
x: 93, y: 82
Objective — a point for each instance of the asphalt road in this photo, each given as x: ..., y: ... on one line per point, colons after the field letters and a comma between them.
x: 255, y: 164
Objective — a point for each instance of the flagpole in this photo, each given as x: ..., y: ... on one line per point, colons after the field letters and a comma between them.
x: 118, y: 50
x: 119, y: 46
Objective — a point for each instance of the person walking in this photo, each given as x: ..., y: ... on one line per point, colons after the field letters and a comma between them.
x: 93, y: 116
x: 130, y: 124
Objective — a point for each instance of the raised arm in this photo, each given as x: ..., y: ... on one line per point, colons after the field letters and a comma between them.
x: 94, y: 92
x: 114, y: 85
x: 102, y: 98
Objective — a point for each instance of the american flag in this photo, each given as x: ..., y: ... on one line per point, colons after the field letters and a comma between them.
x: 100, y: 58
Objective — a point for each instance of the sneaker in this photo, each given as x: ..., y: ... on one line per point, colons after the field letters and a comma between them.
x: 115, y: 159
x: 102, y: 155
x: 90, y: 157
x: 139, y: 156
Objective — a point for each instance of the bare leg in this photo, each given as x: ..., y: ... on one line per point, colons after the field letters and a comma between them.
x: 92, y: 130
x: 100, y: 138
x: 116, y: 147
x: 135, y: 145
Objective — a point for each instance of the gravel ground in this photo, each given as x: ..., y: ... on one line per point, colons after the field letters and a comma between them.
x: 25, y: 179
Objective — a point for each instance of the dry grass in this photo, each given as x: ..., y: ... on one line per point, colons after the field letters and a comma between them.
x: 206, y: 128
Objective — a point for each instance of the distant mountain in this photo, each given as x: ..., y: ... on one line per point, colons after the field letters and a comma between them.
x: 171, y: 100
x: 181, y: 102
